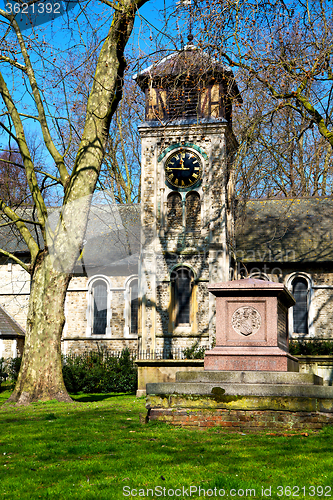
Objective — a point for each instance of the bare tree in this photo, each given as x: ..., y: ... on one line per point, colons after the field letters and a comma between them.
x: 120, y: 171
x: 282, y: 54
x: 33, y: 73
x: 14, y: 189
x: 281, y: 153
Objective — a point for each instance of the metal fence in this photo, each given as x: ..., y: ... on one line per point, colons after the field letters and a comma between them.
x: 174, y: 353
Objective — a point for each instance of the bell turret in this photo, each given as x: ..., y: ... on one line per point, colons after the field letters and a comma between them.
x: 188, y: 84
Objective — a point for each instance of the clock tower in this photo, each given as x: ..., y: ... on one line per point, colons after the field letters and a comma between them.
x: 186, y: 197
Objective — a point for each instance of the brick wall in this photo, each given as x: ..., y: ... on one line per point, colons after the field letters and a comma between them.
x: 242, y: 420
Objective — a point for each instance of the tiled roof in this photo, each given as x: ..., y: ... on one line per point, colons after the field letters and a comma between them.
x: 267, y: 230
x: 286, y: 230
x: 10, y: 238
x: 8, y: 326
x: 113, y: 232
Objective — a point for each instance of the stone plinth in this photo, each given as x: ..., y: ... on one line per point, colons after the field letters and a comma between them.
x: 251, y: 327
x: 163, y: 370
x: 242, y: 401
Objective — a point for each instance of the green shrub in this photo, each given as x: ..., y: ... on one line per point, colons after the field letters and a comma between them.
x: 195, y: 352
x: 3, y: 372
x: 100, y: 372
x: 95, y: 371
x: 313, y: 347
x: 13, y: 368
x: 9, y: 369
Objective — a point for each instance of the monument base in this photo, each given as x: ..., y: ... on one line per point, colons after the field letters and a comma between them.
x: 242, y: 400
x: 242, y: 420
x: 272, y: 359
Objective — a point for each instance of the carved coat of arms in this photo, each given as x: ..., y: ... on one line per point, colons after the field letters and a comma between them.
x: 246, y: 320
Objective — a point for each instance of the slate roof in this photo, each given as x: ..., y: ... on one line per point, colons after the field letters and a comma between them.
x: 267, y: 230
x: 286, y: 230
x: 112, y: 239
x: 105, y: 235
x: 10, y: 238
x: 9, y: 329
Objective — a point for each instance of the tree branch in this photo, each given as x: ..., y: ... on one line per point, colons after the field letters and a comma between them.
x: 57, y: 157
x: 24, y: 231
x: 24, y: 151
x: 15, y: 259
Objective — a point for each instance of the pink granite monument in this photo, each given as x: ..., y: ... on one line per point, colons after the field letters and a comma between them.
x: 251, y: 327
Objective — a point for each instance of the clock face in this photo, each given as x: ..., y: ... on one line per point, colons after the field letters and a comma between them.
x: 183, y: 169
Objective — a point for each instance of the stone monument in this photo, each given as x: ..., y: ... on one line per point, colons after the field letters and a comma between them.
x: 249, y: 381
x: 251, y: 327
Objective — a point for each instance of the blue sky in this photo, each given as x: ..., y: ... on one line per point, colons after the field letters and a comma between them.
x: 60, y: 39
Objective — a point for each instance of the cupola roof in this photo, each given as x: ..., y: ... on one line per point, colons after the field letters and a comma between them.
x: 189, y: 63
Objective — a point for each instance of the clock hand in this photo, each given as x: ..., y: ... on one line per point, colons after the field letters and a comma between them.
x: 176, y: 168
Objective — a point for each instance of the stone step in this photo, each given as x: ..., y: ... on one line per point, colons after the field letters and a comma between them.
x: 249, y: 377
x: 229, y: 389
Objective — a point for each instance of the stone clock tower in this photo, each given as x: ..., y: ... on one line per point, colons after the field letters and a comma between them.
x: 186, y: 197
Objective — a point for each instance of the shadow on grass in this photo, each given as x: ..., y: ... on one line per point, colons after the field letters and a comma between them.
x: 90, y: 398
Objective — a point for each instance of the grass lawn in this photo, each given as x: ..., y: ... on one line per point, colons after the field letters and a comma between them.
x: 97, y: 448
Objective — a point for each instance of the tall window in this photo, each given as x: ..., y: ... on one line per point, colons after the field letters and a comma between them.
x: 300, y: 309
x: 193, y: 211
x: 100, y: 302
x: 133, y: 288
x: 174, y: 211
x: 182, y: 290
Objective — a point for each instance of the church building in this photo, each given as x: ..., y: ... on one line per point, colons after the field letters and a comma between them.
x: 142, y: 278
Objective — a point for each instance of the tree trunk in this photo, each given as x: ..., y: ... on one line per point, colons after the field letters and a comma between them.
x: 40, y: 377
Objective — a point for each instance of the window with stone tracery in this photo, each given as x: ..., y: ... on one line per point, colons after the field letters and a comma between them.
x: 193, y: 211
x: 300, y: 309
x: 174, y: 216
x: 182, y: 284
x: 134, y: 309
x: 99, y: 307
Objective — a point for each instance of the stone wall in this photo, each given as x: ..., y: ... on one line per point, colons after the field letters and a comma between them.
x: 82, y: 346
x: 320, y: 292
x: 14, y: 291
x: 14, y: 298
x: 8, y: 348
x: 77, y: 337
x: 318, y: 365
x: 163, y: 370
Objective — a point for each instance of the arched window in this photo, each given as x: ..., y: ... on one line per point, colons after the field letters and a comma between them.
x: 300, y: 309
x: 182, y: 295
x: 100, y: 304
x: 174, y: 217
x: 193, y: 211
x: 131, y: 310
x: 259, y: 276
x: 134, y: 310
x: 99, y: 313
